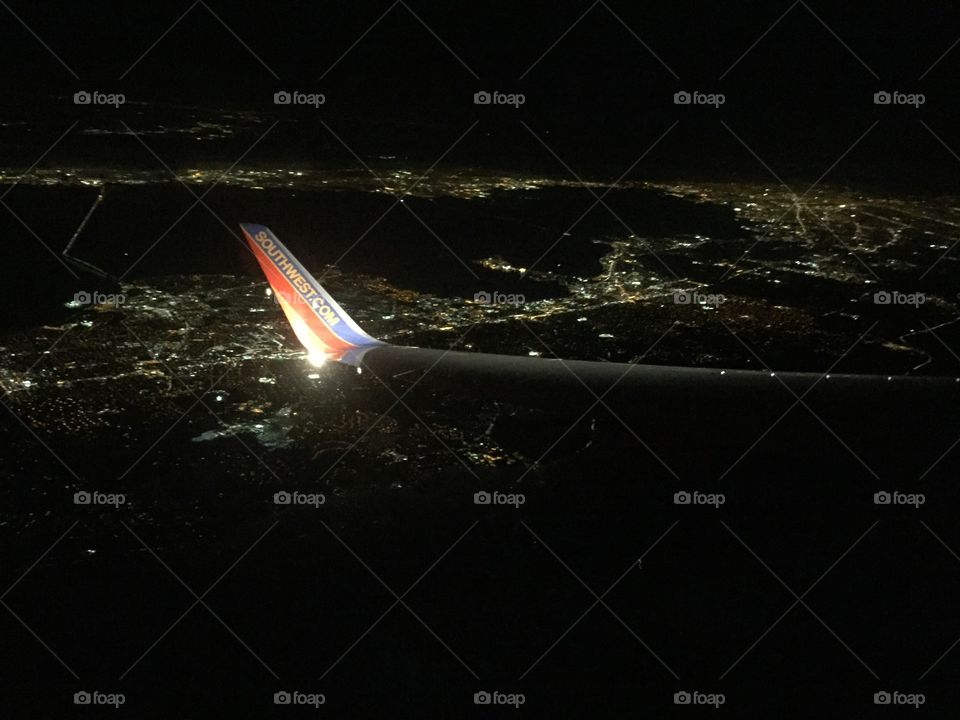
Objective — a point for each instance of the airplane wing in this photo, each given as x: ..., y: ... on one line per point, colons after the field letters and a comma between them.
x: 328, y: 332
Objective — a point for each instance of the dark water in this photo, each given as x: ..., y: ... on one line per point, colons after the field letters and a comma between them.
x: 189, y: 396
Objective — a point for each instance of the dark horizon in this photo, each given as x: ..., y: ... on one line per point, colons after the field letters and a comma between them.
x: 598, y: 81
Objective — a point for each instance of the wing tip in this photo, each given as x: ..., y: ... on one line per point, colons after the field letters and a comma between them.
x: 321, y: 325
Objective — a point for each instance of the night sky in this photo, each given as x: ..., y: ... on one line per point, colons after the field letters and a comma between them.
x: 798, y: 79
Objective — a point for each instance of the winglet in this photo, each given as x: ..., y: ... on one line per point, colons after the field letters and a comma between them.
x: 321, y: 325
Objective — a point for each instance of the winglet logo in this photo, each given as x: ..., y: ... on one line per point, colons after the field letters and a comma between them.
x: 320, y: 324
x: 305, y: 290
